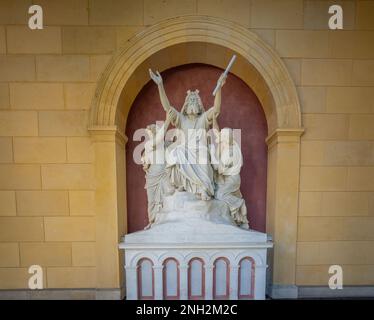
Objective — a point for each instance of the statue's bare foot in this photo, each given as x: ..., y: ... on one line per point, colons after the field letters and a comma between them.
x: 180, y: 189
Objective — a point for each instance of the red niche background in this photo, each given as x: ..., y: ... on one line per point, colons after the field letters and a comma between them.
x: 240, y: 109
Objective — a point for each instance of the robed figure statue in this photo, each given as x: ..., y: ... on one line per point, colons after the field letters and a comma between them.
x: 189, y: 158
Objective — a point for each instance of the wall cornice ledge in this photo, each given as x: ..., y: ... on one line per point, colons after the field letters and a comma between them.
x: 284, y: 135
x: 107, y: 134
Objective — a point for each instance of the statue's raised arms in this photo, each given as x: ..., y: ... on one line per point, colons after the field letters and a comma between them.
x: 191, y: 170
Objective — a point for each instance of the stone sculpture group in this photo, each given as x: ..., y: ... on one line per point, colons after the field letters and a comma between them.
x: 193, y: 165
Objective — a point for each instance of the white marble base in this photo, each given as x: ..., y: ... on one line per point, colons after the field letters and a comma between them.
x: 195, y: 252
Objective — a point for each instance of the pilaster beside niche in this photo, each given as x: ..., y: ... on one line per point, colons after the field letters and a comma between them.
x: 282, y: 208
x: 110, y: 203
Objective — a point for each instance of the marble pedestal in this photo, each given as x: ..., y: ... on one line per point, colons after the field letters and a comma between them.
x: 195, y: 252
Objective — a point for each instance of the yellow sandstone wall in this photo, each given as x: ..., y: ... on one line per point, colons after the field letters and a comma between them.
x: 47, y: 80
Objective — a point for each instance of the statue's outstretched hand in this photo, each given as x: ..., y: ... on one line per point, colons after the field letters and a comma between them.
x: 155, y: 77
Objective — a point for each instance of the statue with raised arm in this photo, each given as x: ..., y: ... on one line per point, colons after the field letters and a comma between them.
x: 157, y: 174
x: 189, y: 159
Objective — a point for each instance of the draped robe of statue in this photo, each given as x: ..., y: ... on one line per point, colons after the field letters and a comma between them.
x: 157, y: 174
x: 228, y: 160
x: 188, y: 158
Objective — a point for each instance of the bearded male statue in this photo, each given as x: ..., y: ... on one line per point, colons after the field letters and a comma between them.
x: 188, y: 159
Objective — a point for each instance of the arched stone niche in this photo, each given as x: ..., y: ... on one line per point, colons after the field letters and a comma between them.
x: 240, y: 110
x: 183, y: 40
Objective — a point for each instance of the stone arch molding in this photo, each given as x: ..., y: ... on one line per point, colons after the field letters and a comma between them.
x: 261, y: 68
x: 188, y: 29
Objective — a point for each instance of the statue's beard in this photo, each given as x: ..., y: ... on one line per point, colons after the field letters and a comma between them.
x: 192, y: 109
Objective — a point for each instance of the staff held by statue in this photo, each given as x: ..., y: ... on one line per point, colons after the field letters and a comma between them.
x: 225, y: 74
